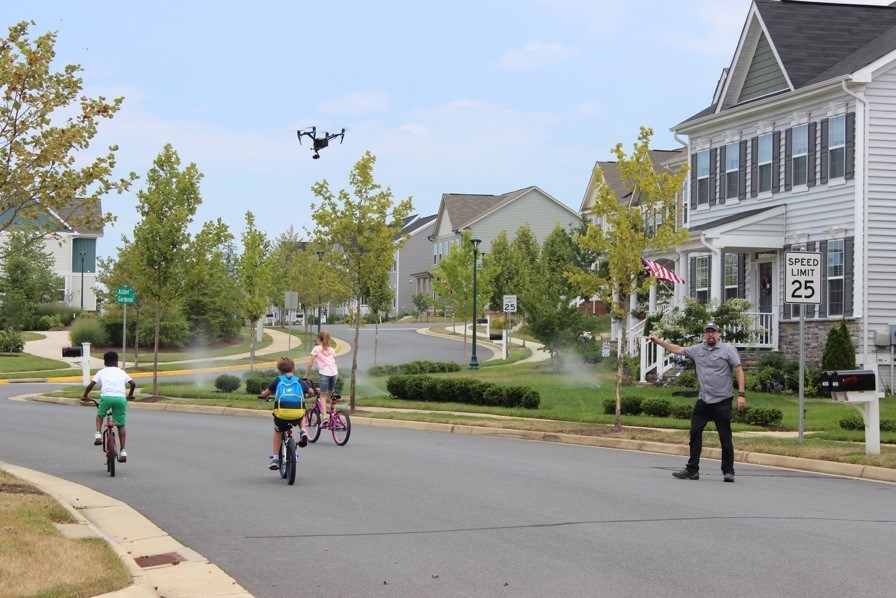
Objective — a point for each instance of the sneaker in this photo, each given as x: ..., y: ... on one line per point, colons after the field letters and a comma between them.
x: 97, y: 439
x: 123, y: 456
x: 325, y: 423
x: 686, y: 474
x: 303, y: 439
x: 275, y: 463
x: 728, y: 477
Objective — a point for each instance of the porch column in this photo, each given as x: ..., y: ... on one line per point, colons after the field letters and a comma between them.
x: 681, y: 268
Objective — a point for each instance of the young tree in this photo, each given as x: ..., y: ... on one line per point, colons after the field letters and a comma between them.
x: 210, y: 293
x: 161, y: 240
x: 123, y: 270
x: 503, y: 269
x: 379, y: 301
x: 526, y: 251
x: 626, y: 237
x: 47, y: 126
x: 364, y: 224
x: 26, y: 280
x: 255, y: 279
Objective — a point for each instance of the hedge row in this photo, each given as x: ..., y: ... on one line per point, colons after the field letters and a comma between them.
x: 854, y: 421
x: 461, y: 390
x: 754, y: 416
x: 414, y: 367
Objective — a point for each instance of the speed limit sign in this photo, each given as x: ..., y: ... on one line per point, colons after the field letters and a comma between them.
x: 802, y: 278
x: 510, y: 303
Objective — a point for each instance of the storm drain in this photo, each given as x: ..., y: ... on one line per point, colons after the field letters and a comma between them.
x: 153, y: 560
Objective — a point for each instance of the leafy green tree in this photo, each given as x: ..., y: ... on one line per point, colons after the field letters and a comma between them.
x: 285, y: 251
x: 421, y: 306
x: 364, y: 224
x: 629, y: 231
x: 114, y: 272
x: 526, y: 251
x: 162, y: 243
x: 210, y: 295
x: 503, y: 269
x: 26, y: 280
x: 839, y: 350
x: 47, y: 125
x: 255, y: 279
x: 379, y: 302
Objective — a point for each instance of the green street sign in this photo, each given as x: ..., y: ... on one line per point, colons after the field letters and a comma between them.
x: 125, y: 295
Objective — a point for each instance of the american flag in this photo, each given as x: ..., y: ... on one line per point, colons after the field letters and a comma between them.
x: 651, y: 268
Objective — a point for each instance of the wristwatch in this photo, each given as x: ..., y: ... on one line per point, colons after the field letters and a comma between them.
x: 740, y: 394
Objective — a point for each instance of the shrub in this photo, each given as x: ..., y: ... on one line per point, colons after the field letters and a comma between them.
x: 460, y: 390
x: 681, y: 411
x: 64, y: 313
x: 853, y: 421
x: 47, y: 323
x: 686, y: 379
x: 88, y: 330
x: 257, y: 380
x: 11, y: 341
x: 227, y: 383
x: 414, y: 367
x: 610, y: 406
x: 839, y: 350
x: 657, y: 407
x: 631, y: 406
x: 758, y: 416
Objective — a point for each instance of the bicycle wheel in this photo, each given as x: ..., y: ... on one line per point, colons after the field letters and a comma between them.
x: 282, y: 457
x: 313, y: 425
x: 111, y: 453
x: 341, y: 426
x: 291, y: 461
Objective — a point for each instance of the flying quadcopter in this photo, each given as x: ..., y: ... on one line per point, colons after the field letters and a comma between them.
x: 319, y: 142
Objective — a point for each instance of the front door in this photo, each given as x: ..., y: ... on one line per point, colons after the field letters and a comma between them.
x: 766, y: 284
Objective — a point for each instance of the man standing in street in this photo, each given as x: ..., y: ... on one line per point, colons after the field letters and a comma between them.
x: 714, y: 361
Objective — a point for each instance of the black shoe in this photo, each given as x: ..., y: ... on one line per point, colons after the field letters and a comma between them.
x: 686, y: 474
x: 728, y: 477
x: 303, y: 440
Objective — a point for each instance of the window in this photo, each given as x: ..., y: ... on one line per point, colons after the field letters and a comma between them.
x: 732, y: 167
x: 835, y: 270
x: 837, y: 147
x: 701, y: 280
x: 765, y: 163
x: 435, y: 253
x: 731, y: 276
x: 703, y: 177
x: 800, y: 157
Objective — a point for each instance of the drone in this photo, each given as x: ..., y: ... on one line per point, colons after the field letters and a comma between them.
x: 319, y: 143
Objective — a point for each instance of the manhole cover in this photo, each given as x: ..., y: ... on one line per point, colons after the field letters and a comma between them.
x: 166, y: 558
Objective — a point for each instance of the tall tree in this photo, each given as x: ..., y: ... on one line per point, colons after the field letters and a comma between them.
x: 123, y: 270
x: 503, y: 269
x: 526, y: 252
x: 26, y: 280
x: 286, y: 249
x: 161, y: 239
x: 210, y: 295
x: 255, y: 279
x: 364, y: 224
x: 379, y: 302
x: 46, y: 127
x: 630, y: 230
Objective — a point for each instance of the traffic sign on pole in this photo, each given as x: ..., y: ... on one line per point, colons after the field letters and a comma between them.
x: 510, y: 303
x: 802, y: 277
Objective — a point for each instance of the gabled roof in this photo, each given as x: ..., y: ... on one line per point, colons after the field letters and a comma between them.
x: 660, y: 159
x: 414, y: 224
x: 464, y: 210
x: 803, y: 44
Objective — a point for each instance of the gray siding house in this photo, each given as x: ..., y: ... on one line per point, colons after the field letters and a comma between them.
x: 411, y: 263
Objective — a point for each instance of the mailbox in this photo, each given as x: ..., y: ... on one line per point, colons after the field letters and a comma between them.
x: 852, y: 380
x: 71, y: 351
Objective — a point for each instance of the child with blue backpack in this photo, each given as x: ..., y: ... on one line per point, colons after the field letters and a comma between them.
x: 289, y: 405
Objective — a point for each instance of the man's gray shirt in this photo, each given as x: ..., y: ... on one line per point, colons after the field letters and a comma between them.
x: 714, y: 367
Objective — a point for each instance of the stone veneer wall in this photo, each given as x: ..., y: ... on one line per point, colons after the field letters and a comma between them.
x: 815, y: 337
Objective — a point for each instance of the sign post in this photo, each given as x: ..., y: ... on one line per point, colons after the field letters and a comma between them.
x: 290, y: 302
x: 802, y: 286
x: 124, y: 296
x: 509, y: 308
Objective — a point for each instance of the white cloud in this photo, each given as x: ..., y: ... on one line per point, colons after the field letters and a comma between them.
x: 535, y: 55
x: 414, y: 128
x: 363, y: 101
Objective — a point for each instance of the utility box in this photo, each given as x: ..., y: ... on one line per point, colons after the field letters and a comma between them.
x: 72, y: 352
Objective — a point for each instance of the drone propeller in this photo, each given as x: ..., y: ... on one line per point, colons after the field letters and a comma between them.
x: 319, y: 142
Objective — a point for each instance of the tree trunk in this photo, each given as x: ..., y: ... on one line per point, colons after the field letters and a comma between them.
x: 351, y: 405
x: 155, y: 351
x: 620, y: 368
x: 253, y: 327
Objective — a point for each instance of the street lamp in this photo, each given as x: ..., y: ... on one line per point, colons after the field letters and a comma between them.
x: 320, y: 257
x: 474, y: 363
x: 83, y: 253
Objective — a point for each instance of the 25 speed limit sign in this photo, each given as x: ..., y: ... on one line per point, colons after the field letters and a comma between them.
x: 510, y: 303
x: 802, y: 278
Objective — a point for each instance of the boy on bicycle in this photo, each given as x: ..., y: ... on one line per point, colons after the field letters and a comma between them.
x: 290, y: 393
x: 112, y: 380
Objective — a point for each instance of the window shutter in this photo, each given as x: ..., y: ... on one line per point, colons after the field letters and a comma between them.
x: 742, y: 275
x: 692, y: 284
x: 850, y: 145
x: 788, y: 159
x: 754, y: 169
x: 810, y: 156
x: 693, y: 181
x: 776, y: 161
x: 723, y: 174
x: 712, y: 176
x: 742, y: 172
x: 709, y: 267
x: 823, y: 175
x: 847, y: 277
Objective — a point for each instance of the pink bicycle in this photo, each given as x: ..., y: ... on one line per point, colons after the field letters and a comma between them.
x: 339, y: 422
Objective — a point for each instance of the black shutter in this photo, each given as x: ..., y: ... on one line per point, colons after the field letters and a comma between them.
x: 823, y: 291
x: 850, y: 153
x: 692, y: 285
x: 776, y: 161
x: 742, y: 275
x: 754, y: 169
x: 823, y: 167
x: 810, y: 156
x: 712, y: 176
x: 723, y: 174
x: 788, y: 159
x: 709, y: 267
x: 742, y: 171
x: 693, y: 181
x: 848, y: 278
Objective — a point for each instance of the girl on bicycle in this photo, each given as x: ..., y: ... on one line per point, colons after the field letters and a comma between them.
x: 325, y: 356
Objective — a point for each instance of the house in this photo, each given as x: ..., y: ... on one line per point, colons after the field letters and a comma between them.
x: 410, y: 264
x: 488, y: 215
x: 795, y: 153
x: 73, y: 249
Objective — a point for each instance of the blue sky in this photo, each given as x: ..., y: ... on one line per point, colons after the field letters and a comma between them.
x: 484, y: 96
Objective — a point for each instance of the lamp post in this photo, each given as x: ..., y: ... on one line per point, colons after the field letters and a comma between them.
x: 474, y: 363
x: 320, y: 257
x: 82, y: 253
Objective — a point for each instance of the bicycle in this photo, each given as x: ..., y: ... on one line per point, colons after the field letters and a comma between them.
x: 110, y: 441
x: 288, y: 455
x: 338, y: 422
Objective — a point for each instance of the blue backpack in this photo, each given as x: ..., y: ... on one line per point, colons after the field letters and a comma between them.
x: 289, y: 400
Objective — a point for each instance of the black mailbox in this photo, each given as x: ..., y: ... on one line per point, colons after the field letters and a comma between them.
x: 850, y: 380
x: 825, y: 381
x: 71, y: 351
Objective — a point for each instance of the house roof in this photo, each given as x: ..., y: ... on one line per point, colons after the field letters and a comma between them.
x: 813, y: 42
x: 660, y: 159
x: 464, y: 210
x: 414, y: 224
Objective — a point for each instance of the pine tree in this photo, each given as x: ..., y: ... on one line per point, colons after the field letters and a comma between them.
x: 839, y: 350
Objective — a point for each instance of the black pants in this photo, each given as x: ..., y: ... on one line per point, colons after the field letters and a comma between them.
x: 720, y: 415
